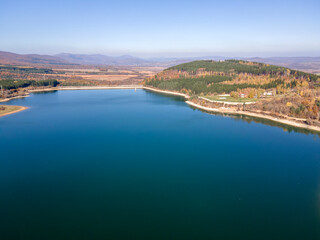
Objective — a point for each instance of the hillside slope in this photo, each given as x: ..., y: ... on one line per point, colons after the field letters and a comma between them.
x: 30, y: 59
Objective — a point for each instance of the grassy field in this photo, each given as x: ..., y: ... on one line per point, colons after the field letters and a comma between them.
x: 230, y: 99
x: 82, y: 75
x: 6, y: 109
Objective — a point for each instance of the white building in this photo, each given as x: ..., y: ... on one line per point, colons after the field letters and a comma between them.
x: 267, y: 94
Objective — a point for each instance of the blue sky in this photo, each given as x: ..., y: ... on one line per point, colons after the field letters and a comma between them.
x: 162, y: 28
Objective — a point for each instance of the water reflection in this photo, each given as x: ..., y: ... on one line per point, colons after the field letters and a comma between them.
x: 173, y: 97
x: 249, y: 119
x: 45, y: 92
x: 241, y: 117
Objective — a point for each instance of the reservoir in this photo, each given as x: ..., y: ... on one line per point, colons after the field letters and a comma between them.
x: 126, y: 164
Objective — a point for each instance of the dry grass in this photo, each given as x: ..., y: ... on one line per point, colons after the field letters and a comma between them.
x: 76, y: 70
x: 230, y: 99
x: 7, y: 109
x: 106, y: 77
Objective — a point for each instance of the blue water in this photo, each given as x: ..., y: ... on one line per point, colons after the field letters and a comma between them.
x: 120, y: 164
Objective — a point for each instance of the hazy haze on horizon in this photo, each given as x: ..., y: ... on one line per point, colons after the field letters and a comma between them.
x: 162, y: 29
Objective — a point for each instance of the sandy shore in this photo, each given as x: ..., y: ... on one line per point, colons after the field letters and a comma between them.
x: 9, y: 99
x: 231, y: 111
x: 167, y: 92
x: 101, y: 88
x: 12, y: 112
x: 87, y: 88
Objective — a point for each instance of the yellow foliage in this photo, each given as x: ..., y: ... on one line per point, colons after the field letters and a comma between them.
x: 234, y: 94
x: 251, y: 94
x: 279, y: 89
x: 305, y: 84
x: 301, y: 93
x: 289, y: 104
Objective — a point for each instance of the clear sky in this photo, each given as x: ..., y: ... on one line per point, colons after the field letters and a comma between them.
x: 162, y: 28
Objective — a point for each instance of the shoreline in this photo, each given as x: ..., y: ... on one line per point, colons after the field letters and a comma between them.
x: 101, y: 88
x: 216, y: 110
x: 9, y: 99
x: 246, y: 113
x: 167, y: 92
x: 257, y: 115
x: 16, y: 111
x: 87, y: 88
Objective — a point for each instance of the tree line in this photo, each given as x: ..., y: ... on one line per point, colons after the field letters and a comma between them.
x: 206, y: 85
x: 18, y: 69
x: 14, y: 84
x: 238, y: 66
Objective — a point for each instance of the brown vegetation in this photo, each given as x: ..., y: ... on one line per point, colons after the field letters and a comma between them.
x: 9, y: 109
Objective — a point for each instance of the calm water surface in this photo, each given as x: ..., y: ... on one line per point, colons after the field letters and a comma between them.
x: 120, y: 164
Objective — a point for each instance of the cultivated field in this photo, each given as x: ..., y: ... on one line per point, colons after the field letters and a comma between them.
x: 103, y: 75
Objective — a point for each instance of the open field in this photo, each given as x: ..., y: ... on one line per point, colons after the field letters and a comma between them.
x: 104, y: 75
x: 230, y: 99
x: 80, y: 75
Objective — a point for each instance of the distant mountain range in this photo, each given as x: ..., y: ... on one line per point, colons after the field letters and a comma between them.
x: 99, y: 59
x: 29, y: 59
x: 309, y: 64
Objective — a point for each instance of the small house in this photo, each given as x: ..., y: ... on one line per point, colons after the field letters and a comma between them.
x: 267, y: 94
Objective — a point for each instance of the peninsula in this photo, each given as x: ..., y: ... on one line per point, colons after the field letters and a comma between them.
x: 8, y: 109
x: 248, y: 88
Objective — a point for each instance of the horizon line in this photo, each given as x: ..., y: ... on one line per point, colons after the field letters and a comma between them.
x: 200, y: 55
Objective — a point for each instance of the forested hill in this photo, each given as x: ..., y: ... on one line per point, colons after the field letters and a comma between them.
x: 30, y: 59
x: 209, y: 77
x: 238, y: 66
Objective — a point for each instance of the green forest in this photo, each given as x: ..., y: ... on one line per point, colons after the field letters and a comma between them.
x: 200, y: 85
x: 14, y: 84
x: 18, y: 69
x: 189, y: 78
x: 237, y: 66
